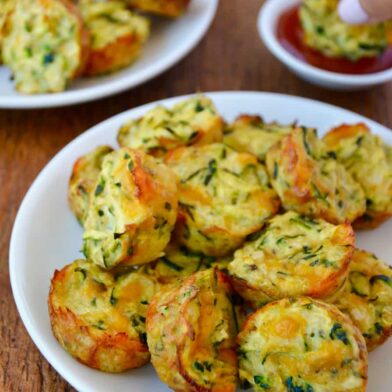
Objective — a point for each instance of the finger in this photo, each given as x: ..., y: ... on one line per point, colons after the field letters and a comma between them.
x: 352, y: 11
x: 365, y: 11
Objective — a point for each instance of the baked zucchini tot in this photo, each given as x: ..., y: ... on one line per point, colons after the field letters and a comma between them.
x: 117, y: 35
x: 84, y: 176
x: 365, y: 157
x: 310, y: 182
x: 132, y: 210
x: 251, y: 134
x: 191, y: 333
x: 326, y: 32
x: 193, y: 121
x: 170, y: 8
x: 293, y: 256
x: 180, y: 262
x: 46, y: 45
x: 302, y: 345
x: 223, y: 195
x: 367, y: 297
x: 99, y: 318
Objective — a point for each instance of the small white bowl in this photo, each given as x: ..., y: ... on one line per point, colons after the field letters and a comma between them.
x: 267, y: 24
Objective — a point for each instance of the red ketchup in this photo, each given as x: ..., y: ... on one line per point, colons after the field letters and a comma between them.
x: 290, y: 35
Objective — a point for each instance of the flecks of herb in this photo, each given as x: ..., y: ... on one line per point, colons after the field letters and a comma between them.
x: 199, y: 107
x: 113, y: 300
x: 276, y: 171
x: 261, y: 381
x: 378, y: 327
x: 188, y: 209
x: 337, y: 332
x: 48, y: 58
x: 382, y: 278
x: 99, y: 325
x: 99, y: 189
x: 82, y: 271
x: 291, y: 387
x: 143, y: 337
x: 211, y: 170
x: 198, y: 366
x: 168, y: 206
x: 305, y: 140
x: 130, y: 165
x: 193, y: 175
x: 171, y: 265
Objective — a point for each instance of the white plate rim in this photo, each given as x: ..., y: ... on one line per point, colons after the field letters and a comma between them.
x: 267, y: 20
x: 102, y: 90
x: 18, y: 226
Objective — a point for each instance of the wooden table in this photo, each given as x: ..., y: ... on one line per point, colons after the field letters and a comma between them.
x: 231, y: 57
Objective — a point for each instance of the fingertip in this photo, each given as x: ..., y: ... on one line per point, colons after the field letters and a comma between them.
x: 351, y: 11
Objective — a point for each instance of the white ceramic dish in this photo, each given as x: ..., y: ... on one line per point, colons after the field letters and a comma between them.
x: 267, y: 24
x: 170, y: 41
x: 46, y: 235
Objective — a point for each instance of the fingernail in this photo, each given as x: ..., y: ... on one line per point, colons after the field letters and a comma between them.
x: 351, y: 11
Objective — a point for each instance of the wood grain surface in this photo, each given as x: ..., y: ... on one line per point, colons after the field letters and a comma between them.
x: 231, y: 57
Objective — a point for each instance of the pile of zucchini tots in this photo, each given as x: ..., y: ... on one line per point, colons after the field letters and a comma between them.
x: 225, y: 253
x: 48, y: 43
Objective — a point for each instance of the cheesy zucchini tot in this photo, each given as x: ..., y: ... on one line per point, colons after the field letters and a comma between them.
x: 302, y: 345
x: 46, y: 45
x: 99, y: 318
x: 367, y: 297
x: 223, y: 197
x: 84, y: 175
x: 117, y: 35
x: 180, y: 262
x: 132, y: 210
x: 365, y: 157
x: 293, y: 256
x: 191, y: 331
x: 193, y: 121
x: 251, y: 134
x: 170, y: 8
x: 327, y: 33
x: 312, y: 183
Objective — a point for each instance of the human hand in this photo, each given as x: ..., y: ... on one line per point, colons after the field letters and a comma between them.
x: 365, y: 11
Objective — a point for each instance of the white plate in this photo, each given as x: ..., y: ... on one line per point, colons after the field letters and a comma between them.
x: 267, y: 24
x: 46, y: 235
x: 170, y: 41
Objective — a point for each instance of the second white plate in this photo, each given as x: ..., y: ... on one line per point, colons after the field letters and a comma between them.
x: 170, y: 41
x: 46, y: 235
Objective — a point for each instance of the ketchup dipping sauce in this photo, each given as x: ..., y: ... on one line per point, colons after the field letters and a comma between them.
x: 290, y: 35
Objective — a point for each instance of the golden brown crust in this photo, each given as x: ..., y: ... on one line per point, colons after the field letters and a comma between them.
x: 95, y: 351
x: 370, y: 220
x: 224, y: 196
x: 132, y: 212
x: 190, y: 333
x: 310, y: 182
x: 84, y: 35
x: 367, y: 297
x: 364, y: 155
x: 280, y: 328
x: 293, y: 256
x: 170, y: 8
x: 113, y: 56
x: 85, y: 172
x: 113, y: 348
